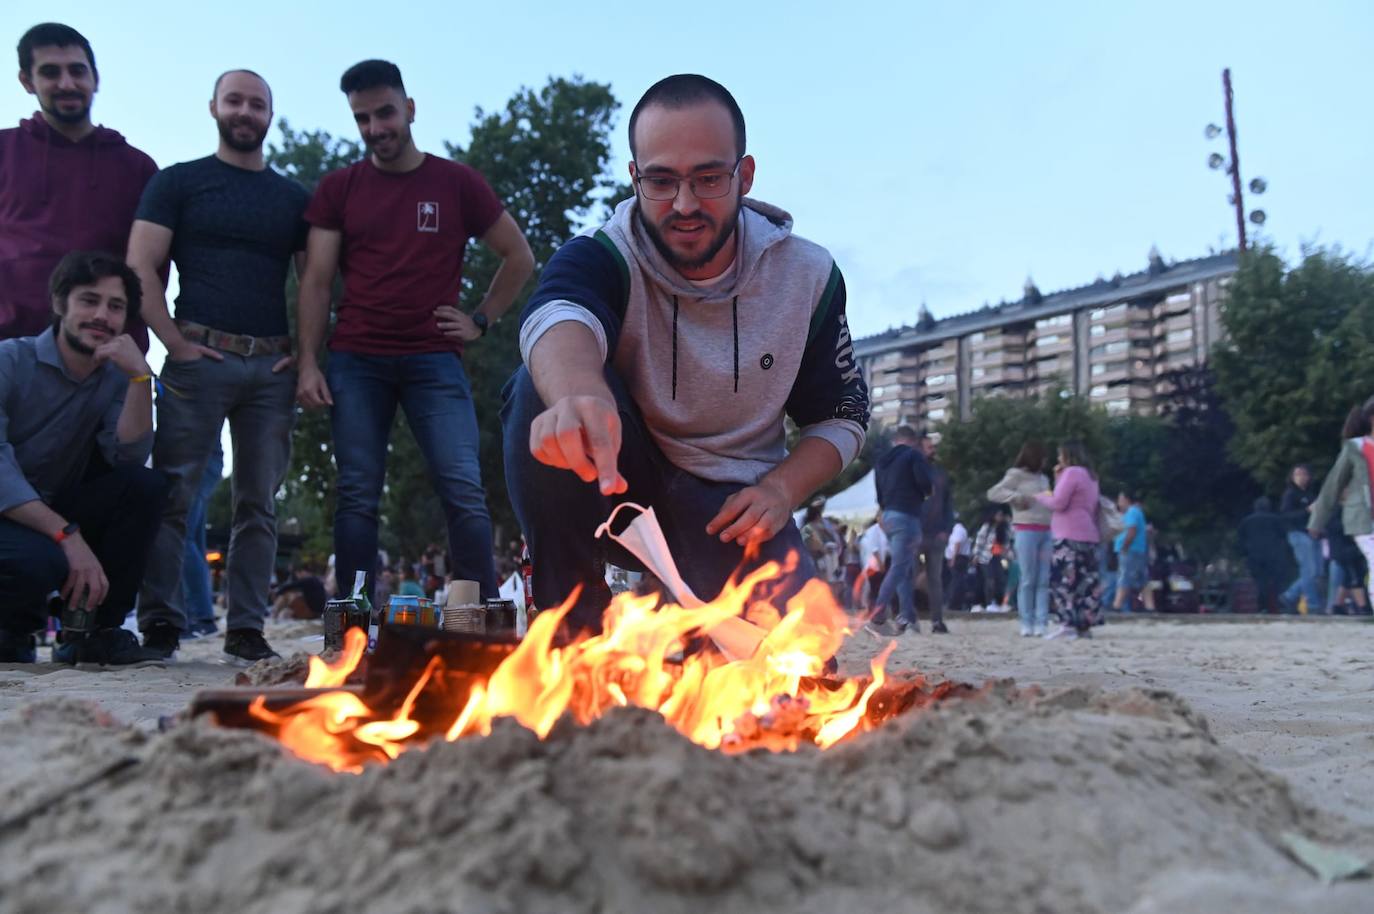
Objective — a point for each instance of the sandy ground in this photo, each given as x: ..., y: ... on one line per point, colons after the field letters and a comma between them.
x: 1106, y: 795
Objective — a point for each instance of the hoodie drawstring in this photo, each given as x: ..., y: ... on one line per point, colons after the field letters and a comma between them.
x: 734, y: 306
x: 674, y: 347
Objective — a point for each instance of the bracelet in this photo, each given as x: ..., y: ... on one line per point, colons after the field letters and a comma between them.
x: 141, y: 379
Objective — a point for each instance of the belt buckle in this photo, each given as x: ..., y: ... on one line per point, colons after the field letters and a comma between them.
x: 252, y: 345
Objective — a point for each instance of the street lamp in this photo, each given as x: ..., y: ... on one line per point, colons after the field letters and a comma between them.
x: 1216, y: 161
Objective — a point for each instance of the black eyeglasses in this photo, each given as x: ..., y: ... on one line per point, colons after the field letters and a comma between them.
x: 708, y: 185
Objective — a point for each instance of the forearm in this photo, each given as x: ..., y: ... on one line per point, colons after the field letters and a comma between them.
x: 37, y: 516
x: 136, y: 418
x: 811, y: 465
x: 506, y: 284
x: 312, y: 320
x: 566, y: 362
x: 154, y: 310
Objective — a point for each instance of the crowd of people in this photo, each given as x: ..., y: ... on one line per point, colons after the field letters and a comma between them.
x: 661, y: 355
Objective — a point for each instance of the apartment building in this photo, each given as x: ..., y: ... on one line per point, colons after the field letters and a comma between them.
x: 1113, y: 341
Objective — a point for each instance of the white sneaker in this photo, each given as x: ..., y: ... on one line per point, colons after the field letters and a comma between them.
x: 1037, y: 631
x: 975, y: 608
x: 1026, y: 631
x: 998, y: 608
x: 1067, y: 632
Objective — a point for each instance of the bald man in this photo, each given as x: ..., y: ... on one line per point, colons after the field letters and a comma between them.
x: 232, y: 227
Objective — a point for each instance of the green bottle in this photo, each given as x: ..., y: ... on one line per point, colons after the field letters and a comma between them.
x: 360, y: 598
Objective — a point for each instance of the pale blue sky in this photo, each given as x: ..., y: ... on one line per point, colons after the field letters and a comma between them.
x: 941, y: 151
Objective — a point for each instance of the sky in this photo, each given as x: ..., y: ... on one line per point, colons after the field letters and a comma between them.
x: 943, y: 152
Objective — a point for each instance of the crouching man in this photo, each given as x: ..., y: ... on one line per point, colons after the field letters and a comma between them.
x: 72, y: 520
x: 662, y: 354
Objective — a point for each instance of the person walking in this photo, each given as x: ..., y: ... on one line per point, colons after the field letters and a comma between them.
x: 1074, y: 506
x: 1132, y: 547
x: 1348, y: 485
x: 1031, y: 530
x: 1262, y: 537
x: 937, y: 520
x: 902, y: 479
x: 1296, y: 508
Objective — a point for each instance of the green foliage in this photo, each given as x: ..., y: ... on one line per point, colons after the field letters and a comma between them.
x: 1299, y: 354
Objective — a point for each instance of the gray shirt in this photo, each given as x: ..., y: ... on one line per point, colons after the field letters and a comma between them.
x: 50, y: 422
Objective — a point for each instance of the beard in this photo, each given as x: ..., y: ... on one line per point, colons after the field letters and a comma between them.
x: 74, y: 341
x: 400, y: 139
x: 68, y: 117
x: 226, y: 133
x: 723, y: 233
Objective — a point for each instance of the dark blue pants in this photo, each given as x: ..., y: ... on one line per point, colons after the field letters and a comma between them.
x: 559, y: 514
x: 119, y: 512
x: 433, y: 390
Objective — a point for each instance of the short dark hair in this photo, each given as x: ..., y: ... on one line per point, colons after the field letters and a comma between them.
x: 684, y: 90
x: 84, y: 268
x: 371, y: 74
x: 1129, y: 494
x: 906, y: 433
x: 1075, y: 454
x: 219, y: 79
x: 53, y: 35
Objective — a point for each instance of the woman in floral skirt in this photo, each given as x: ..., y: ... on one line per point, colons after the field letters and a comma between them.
x: 1074, y: 507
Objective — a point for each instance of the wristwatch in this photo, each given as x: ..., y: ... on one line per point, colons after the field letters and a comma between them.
x: 481, y: 321
x: 70, y: 530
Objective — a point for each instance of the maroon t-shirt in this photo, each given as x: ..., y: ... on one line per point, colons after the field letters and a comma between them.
x: 404, y: 236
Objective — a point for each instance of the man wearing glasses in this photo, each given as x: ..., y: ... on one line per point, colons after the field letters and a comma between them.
x: 662, y: 353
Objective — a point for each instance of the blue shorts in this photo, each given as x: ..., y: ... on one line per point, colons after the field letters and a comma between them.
x: 1135, y: 571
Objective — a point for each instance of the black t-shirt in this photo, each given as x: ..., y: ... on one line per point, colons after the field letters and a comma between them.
x: 233, y: 234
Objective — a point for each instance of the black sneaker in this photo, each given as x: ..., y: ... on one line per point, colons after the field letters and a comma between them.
x: 164, y: 638
x: 938, y: 628
x: 246, y: 646
x: 106, y: 646
x: 17, y: 648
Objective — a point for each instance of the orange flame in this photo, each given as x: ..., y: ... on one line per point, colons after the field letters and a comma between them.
x: 767, y: 699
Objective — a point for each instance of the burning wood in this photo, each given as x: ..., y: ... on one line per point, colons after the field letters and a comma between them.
x: 424, y: 684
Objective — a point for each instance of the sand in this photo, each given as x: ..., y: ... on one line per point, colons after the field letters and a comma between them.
x: 1155, y: 768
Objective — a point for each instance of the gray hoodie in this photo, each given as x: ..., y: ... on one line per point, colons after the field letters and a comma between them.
x: 1018, y: 489
x: 715, y: 366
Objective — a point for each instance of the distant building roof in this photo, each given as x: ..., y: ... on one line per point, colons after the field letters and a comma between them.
x: 1033, y: 306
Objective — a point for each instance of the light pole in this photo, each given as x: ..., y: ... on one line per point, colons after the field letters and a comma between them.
x: 1217, y: 160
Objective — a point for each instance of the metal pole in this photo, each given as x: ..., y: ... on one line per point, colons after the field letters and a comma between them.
x: 1235, y: 158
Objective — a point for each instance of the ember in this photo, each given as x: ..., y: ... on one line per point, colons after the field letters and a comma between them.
x: 772, y: 698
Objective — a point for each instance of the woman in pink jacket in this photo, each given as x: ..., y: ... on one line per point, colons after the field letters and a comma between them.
x: 1073, y: 526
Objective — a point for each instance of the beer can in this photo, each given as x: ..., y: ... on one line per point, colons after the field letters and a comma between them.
x: 77, y: 619
x: 403, y: 610
x: 500, y: 615
x: 427, y: 617
x: 356, y: 616
x: 336, y: 615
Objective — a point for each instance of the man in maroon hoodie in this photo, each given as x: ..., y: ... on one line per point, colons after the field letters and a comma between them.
x: 65, y: 184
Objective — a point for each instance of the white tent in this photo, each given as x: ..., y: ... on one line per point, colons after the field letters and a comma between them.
x: 857, y: 504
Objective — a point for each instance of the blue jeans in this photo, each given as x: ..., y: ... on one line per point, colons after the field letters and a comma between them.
x: 1034, y: 550
x: 904, y: 540
x: 198, y: 594
x: 433, y: 390
x: 559, y: 513
x: 1308, y: 553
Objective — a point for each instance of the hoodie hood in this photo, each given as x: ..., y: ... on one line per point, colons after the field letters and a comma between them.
x: 38, y: 127
x: 55, y: 145
x: 760, y: 226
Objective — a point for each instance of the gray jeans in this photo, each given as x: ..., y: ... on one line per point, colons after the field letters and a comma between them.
x: 197, y: 398
x: 933, y: 558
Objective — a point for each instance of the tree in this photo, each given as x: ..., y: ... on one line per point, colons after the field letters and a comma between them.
x: 1299, y: 353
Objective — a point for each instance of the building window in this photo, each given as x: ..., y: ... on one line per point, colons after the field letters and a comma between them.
x: 1118, y: 406
x: 1115, y: 348
x: 978, y: 374
x: 935, y: 415
x: 1099, y: 390
x: 1048, y: 340
x: 1098, y: 330
x: 1059, y: 320
x: 1099, y: 369
x: 1180, y: 336
x: 978, y: 337
x: 937, y: 379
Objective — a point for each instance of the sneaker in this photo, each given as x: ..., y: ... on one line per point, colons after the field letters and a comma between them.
x: 17, y: 648
x: 1026, y: 631
x: 908, y: 628
x: 246, y: 646
x: 202, y: 629
x: 1067, y: 632
x: 975, y: 608
x: 938, y: 628
x: 107, y: 647
x: 164, y: 638
x: 1038, y: 631
x: 883, y: 629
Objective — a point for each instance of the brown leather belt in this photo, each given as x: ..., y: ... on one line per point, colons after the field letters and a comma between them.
x: 236, y: 343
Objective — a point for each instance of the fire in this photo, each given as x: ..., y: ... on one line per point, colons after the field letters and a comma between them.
x: 722, y: 696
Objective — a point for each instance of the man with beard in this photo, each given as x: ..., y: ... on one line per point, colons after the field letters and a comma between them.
x: 662, y: 353
x: 78, y: 388
x: 399, y: 222
x: 65, y: 184
x: 232, y: 226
